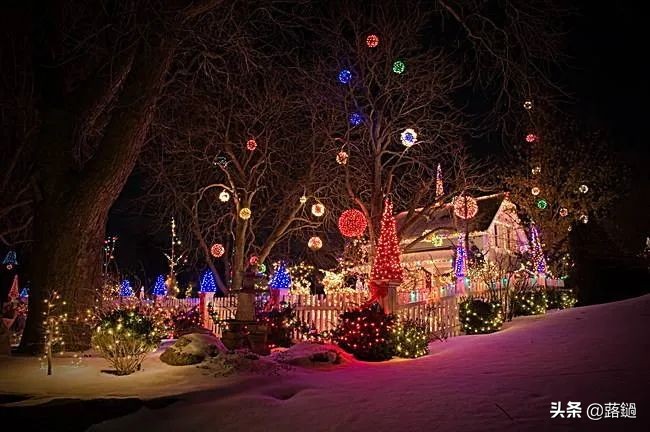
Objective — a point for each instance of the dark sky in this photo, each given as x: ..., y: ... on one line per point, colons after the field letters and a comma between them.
x: 607, y: 76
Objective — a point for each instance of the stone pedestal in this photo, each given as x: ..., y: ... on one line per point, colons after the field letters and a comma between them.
x: 246, y: 334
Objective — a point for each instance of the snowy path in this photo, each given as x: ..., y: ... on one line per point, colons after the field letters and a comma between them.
x: 500, y: 382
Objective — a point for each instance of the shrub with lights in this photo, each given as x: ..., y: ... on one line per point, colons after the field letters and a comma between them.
x: 560, y: 299
x: 479, y: 316
x: 280, y: 324
x: 125, y: 336
x: 530, y: 303
x: 410, y: 338
x: 367, y: 333
x: 185, y: 321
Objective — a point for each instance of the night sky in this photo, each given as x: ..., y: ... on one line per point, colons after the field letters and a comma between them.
x: 606, y: 77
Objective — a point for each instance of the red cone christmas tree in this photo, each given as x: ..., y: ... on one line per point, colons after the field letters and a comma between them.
x: 387, y: 257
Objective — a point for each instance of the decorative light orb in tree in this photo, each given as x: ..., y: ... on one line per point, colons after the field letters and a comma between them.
x: 315, y: 243
x: 318, y: 209
x: 542, y: 204
x: 303, y: 199
x: 531, y: 138
x: 245, y: 213
x: 356, y: 119
x: 352, y: 223
x: 217, y: 250
x: 535, y: 191
x: 342, y: 158
x: 584, y: 218
x: 345, y: 76
x: 261, y: 268
x: 399, y: 67
x: 528, y: 104
x: 465, y: 207
x: 536, y: 170
x: 253, y: 260
x: 224, y: 196
x: 372, y: 41
x: 583, y: 188
x: 251, y: 144
x: 564, y: 212
x: 409, y: 137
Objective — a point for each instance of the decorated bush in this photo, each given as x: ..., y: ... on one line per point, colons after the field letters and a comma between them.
x: 410, y: 339
x: 184, y: 321
x: 367, y: 333
x: 530, y: 303
x: 125, y: 336
x: 560, y: 299
x: 280, y: 324
x: 480, y: 316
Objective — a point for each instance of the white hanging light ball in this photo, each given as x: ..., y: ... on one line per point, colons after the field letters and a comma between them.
x: 245, y: 213
x: 535, y: 191
x: 583, y: 188
x: 303, y: 199
x: 409, y: 137
x: 315, y: 243
x: 318, y: 209
x: 224, y: 196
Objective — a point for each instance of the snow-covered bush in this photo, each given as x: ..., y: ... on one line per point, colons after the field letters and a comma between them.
x: 124, y: 337
x: 560, y: 299
x: 480, y: 316
x: 367, y: 333
x: 191, y: 349
x: 530, y: 303
x: 411, y: 339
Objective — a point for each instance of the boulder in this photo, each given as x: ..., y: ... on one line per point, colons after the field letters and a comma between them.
x: 309, y: 355
x: 191, y: 349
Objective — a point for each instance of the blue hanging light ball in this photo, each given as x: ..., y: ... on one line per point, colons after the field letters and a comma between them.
x: 345, y: 76
x: 355, y: 119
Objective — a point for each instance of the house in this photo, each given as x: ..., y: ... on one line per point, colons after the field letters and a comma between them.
x: 430, y: 241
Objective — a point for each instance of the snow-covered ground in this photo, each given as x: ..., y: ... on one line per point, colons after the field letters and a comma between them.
x: 499, y: 382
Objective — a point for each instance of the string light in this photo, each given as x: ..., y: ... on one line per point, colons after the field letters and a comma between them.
x: 345, y: 76
x: 460, y: 265
x: 465, y: 207
x: 478, y: 316
x: 352, y: 223
x: 542, y: 204
x: 281, y: 279
x: 535, y: 191
x: 315, y: 243
x: 564, y: 212
x: 217, y: 250
x: 440, y: 190
x: 251, y: 144
x: 435, y: 239
x: 356, y: 119
x: 386, y: 265
x: 530, y: 138
x: 583, y: 188
x: 399, y: 67
x: 224, y: 196
x: 207, y: 283
x: 342, y: 158
x: 318, y: 209
x: 245, y: 213
x: 159, y: 287
x: 125, y: 289
x: 408, y: 137
x: 372, y: 41
x: 536, y: 250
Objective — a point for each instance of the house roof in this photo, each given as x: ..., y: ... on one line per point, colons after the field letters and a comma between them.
x: 443, y: 217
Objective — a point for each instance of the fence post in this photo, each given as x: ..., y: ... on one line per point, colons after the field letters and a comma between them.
x: 205, y: 298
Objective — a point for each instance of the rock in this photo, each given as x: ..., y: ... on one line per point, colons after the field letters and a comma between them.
x: 191, y: 349
x: 309, y: 355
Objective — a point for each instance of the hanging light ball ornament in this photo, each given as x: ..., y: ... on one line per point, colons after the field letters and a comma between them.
x: 536, y: 170
x: 528, y: 104
x: 303, y: 199
x: 372, y: 41
x: 535, y: 191
x: 342, y: 158
x: 356, y: 119
x: 245, y: 213
x: 465, y: 207
x: 531, y: 138
x: 217, y: 250
x: 409, y: 137
x: 584, y: 218
x: 583, y: 188
x: 261, y: 268
x: 315, y: 243
x: 253, y: 260
x: 399, y: 67
x: 251, y: 144
x: 224, y: 196
x: 318, y: 209
x: 352, y: 223
x: 564, y: 212
x: 345, y: 76
x: 542, y: 204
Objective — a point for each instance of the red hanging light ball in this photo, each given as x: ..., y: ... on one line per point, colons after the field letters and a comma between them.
x: 217, y: 250
x: 251, y: 144
x: 372, y: 41
x: 531, y: 138
x: 352, y: 223
x: 254, y: 260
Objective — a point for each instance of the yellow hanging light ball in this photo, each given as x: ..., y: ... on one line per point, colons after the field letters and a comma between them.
x: 315, y: 243
x: 245, y: 213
